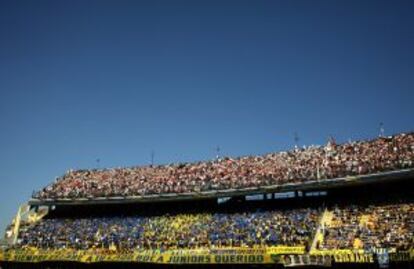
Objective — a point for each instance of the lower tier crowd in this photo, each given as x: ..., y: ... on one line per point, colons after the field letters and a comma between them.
x: 390, y: 226
x: 371, y: 227
x: 292, y: 227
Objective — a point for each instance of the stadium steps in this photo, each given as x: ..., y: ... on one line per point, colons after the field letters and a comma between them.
x: 12, y: 232
x: 25, y: 217
x: 325, y: 221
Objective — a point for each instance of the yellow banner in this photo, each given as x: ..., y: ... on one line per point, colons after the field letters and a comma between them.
x: 354, y: 258
x: 168, y: 257
x: 333, y: 252
x: 277, y: 250
x: 259, y: 255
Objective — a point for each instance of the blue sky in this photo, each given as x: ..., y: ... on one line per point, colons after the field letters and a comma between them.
x: 81, y: 80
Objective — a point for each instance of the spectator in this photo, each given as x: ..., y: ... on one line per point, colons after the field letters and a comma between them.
x: 300, y: 165
x: 291, y: 228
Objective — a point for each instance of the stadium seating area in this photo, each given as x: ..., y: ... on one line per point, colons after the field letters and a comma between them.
x: 371, y: 222
x: 351, y: 227
x: 267, y: 228
x: 299, y: 165
x: 390, y: 226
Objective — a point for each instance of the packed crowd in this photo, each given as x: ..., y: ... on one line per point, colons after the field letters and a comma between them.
x: 299, y: 165
x: 390, y: 226
x: 351, y: 227
x: 291, y: 228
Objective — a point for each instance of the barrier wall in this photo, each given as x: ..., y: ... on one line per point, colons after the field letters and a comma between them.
x: 288, y: 256
x: 196, y: 256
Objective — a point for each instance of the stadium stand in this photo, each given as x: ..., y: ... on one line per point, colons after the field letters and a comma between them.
x: 366, y: 226
x: 289, y: 228
x: 357, y: 227
x: 296, y: 166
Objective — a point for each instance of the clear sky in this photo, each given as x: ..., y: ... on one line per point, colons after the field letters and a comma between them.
x: 114, y: 80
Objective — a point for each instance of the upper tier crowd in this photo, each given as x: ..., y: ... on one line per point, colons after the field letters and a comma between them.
x: 267, y: 228
x: 351, y: 227
x: 296, y: 166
